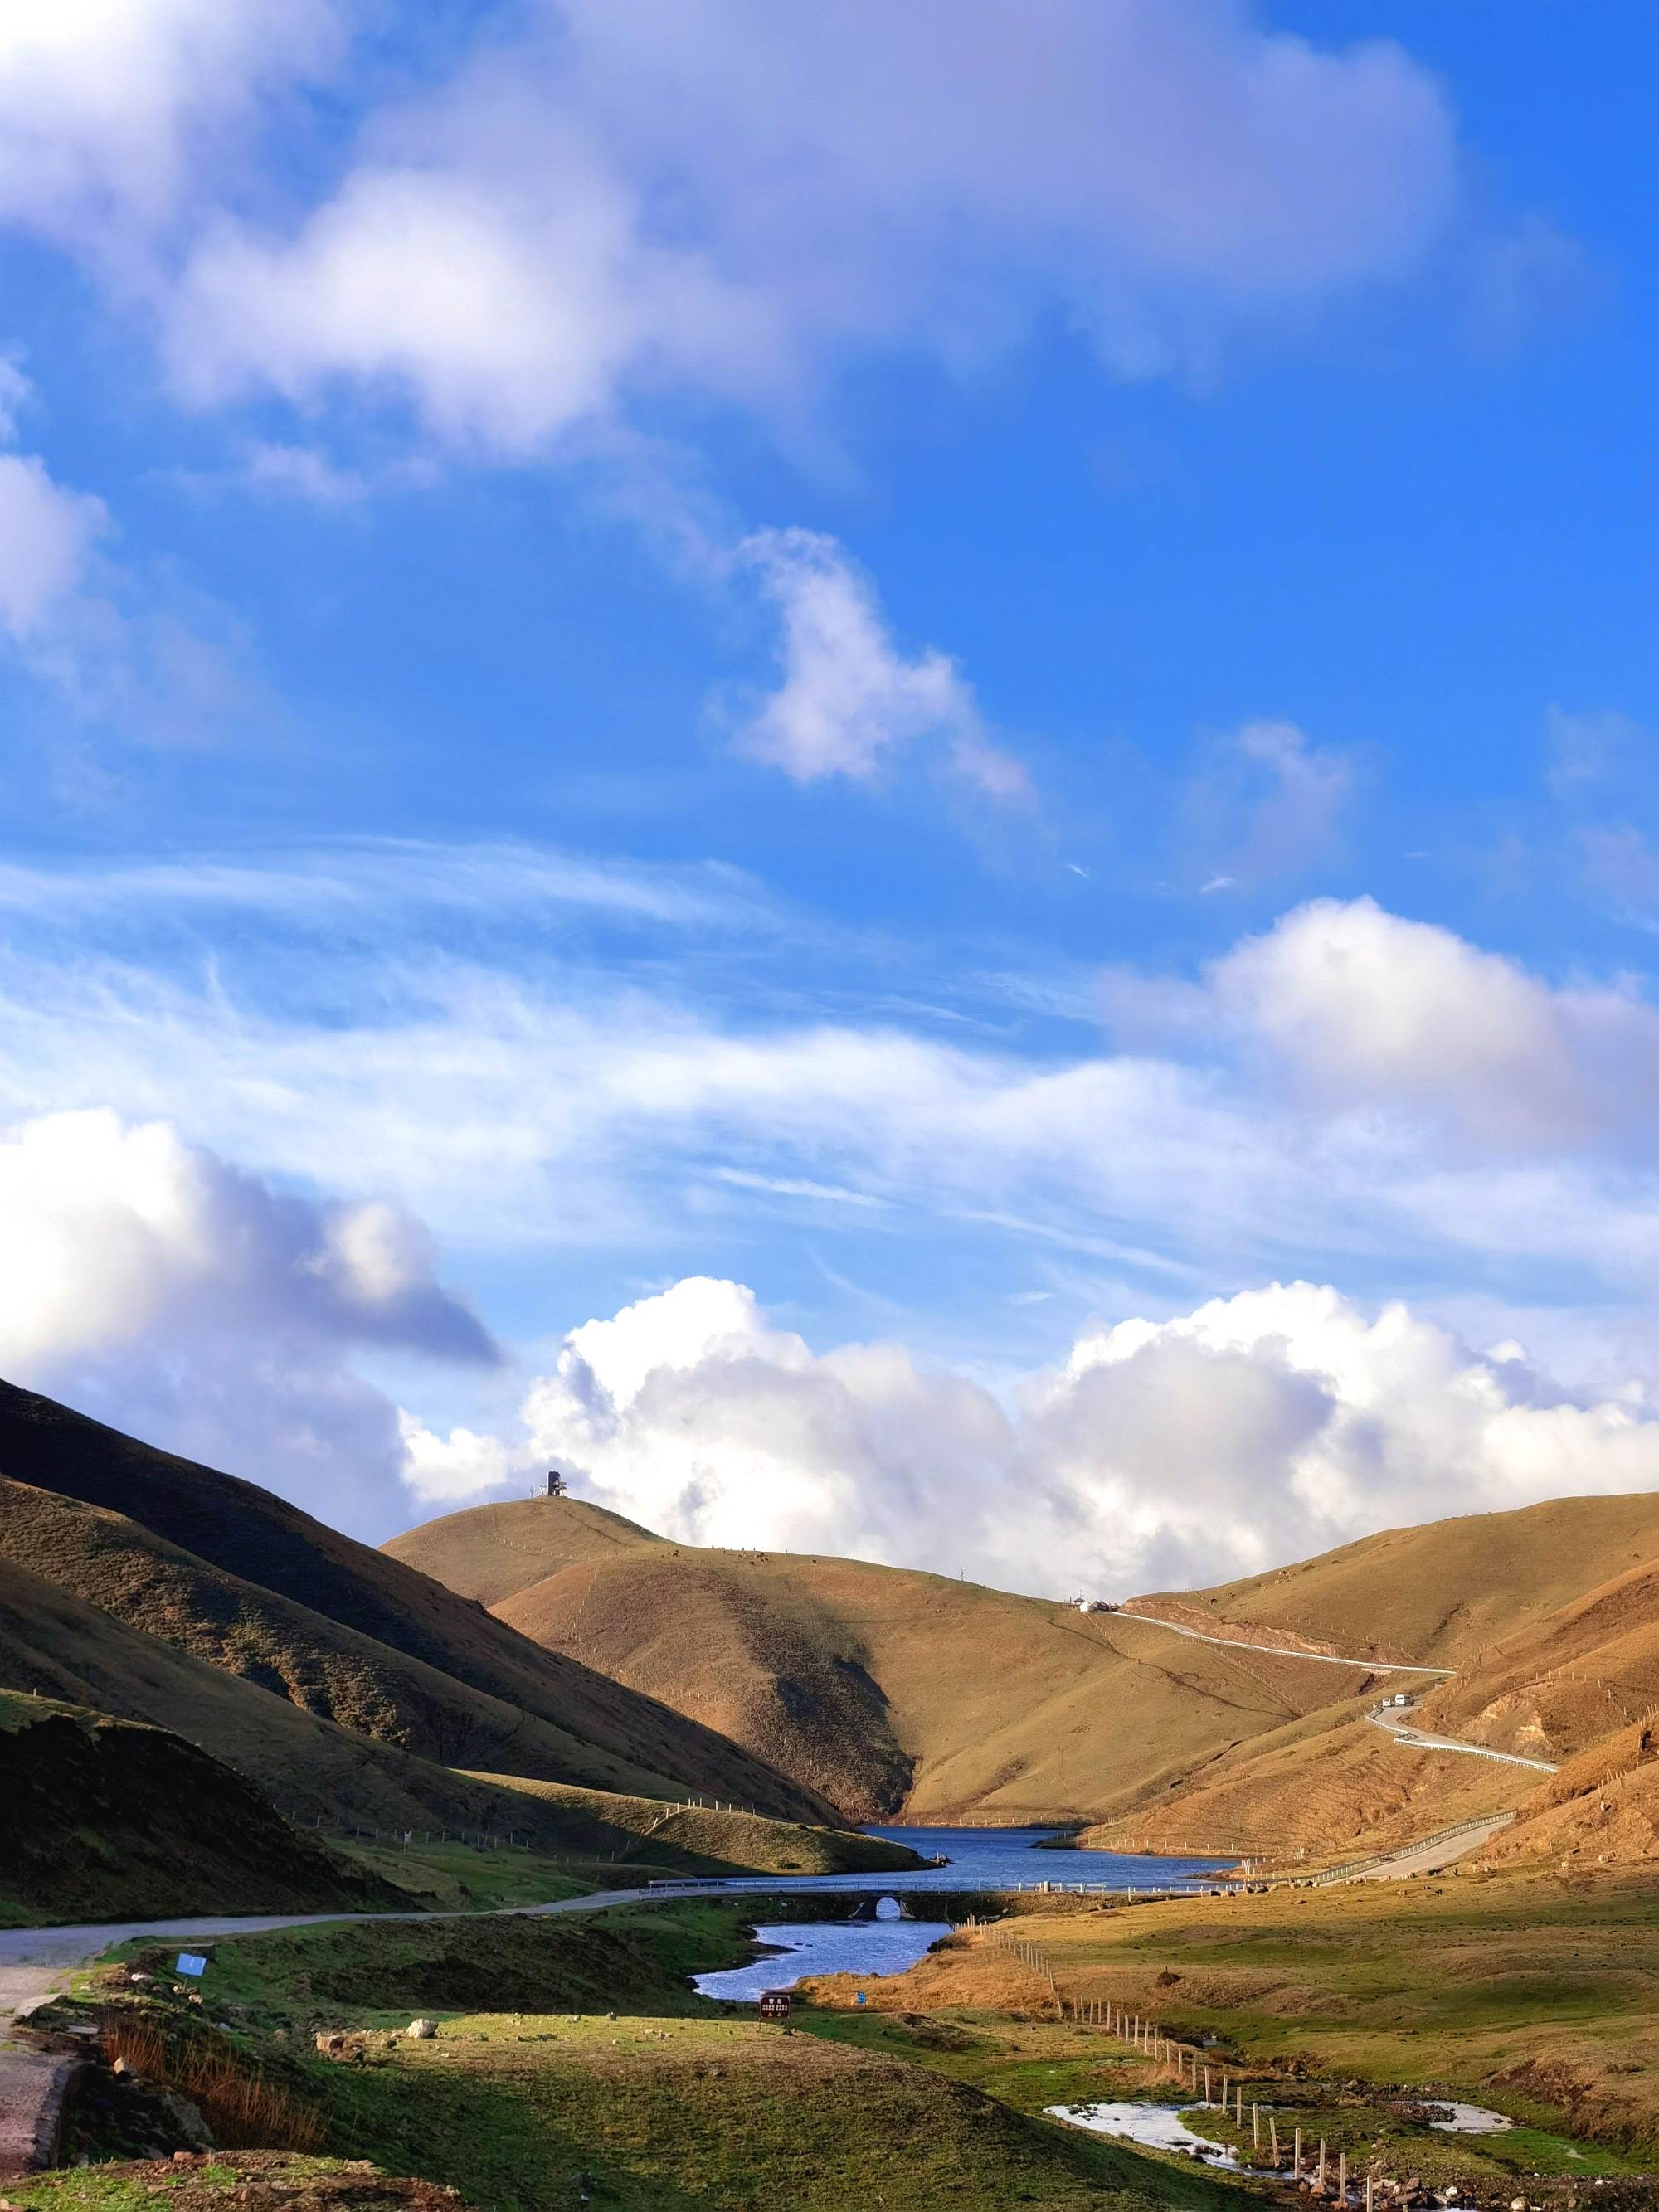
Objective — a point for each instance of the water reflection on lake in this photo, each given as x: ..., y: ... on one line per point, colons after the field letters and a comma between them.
x: 992, y: 1858
x: 1000, y: 1858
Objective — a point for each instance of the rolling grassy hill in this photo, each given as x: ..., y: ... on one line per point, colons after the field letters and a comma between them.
x: 885, y: 1689
x: 312, y: 1661
x: 54, y: 1643
x: 342, y: 1685
x: 1446, y: 1592
x: 54, y: 1646
x: 1550, y: 1616
x: 231, y: 1573
x: 895, y: 1692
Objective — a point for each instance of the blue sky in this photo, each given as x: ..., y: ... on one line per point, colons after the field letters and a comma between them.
x: 907, y: 711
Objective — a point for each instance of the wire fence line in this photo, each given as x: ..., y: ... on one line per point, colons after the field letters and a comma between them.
x: 490, y: 1839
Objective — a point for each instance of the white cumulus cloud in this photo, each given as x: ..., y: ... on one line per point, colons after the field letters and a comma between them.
x: 146, y: 1279
x: 849, y: 700
x: 1249, y: 1431
x: 1365, y: 1009
x: 729, y: 201
x: 111, y: 109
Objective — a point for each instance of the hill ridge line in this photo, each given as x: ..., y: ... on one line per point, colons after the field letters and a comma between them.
x: 1285, y: 1650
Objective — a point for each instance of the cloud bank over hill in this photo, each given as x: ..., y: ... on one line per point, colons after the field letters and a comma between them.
x: 1251, y: 1431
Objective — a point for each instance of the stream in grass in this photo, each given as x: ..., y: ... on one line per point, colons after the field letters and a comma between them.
x: 1160, y: 2127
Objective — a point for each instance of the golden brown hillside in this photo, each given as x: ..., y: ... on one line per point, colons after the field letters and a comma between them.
x: 890, y: 1691
x: 1554, y: 1657
x: 1442, y: 1592
x: 306, y: 1609
x: 1601, y: 1809
x: 901, y: 1694
x: 53, y: 1646
x: 1564, y: 1681
x: 1327, y: 1788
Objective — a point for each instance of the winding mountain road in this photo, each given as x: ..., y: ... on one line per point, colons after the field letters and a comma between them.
x: 1399, y: 1726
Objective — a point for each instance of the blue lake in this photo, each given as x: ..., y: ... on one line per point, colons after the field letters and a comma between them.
x: 996, y: 1858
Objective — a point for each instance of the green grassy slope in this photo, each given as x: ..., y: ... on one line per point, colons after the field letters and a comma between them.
x: 101, y: 1820
x: 231, y: 2181
x: 246, y: 1533
x: 691, y: 1839
x: 595, y: 2072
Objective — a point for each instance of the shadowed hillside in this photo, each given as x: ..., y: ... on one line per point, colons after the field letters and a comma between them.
x: 262, y: 1589
x: 103, y: 1820
x: 140, y: 1579
x: 56, y: 1647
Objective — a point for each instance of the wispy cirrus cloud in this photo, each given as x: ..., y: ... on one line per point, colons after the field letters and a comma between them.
x: 509, y: 1095
x: 381, y: 880
x: 202, y: 1118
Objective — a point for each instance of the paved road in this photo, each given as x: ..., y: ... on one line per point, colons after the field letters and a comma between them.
x: 1280, y: 1651
x: 1399, y: 1725
x: 1429, y: 1858
x: 33, y: 1961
